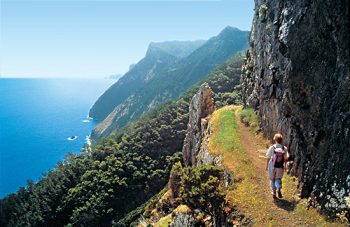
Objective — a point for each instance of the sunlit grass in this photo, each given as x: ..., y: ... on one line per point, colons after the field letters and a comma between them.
x: 164, y: 222
x: 246, y: 194
x: 225, y: 141
x: 223, y: 138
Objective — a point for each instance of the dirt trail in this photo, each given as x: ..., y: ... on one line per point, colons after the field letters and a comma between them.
x: 282, y: 208
x: 279, y: 212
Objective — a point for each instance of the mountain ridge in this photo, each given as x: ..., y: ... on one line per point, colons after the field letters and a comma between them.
x: 157, y: 57
x: 179, y: 49
x: 175, y: 79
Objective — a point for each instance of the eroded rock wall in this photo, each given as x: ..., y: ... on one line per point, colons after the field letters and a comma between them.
x: 196, y: 150
x: 201, y: 106
x: 296, y: 75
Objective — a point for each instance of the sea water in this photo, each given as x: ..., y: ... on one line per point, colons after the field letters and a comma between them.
x: 41, y: 120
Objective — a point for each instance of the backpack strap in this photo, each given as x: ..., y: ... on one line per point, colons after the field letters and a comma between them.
x: 273, y: 158
x: 274, y: 148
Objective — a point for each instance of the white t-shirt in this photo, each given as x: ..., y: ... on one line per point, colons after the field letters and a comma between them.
x: 269, y: 153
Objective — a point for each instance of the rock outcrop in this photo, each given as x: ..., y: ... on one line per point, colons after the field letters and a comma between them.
x: 197, y: 157
x: 183, y: 217
x: 195, y: 150
x: 296, y: 75
x: 183, y: 220
x: 201, y: 106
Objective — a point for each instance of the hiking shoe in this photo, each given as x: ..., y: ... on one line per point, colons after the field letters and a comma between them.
x: 279, y: 194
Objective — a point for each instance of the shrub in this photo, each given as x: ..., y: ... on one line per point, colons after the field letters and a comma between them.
x: 199, y: 187
x: 175, y: 179
x: 249, y: 118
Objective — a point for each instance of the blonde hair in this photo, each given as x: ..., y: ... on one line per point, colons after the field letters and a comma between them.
x: 278, y: 138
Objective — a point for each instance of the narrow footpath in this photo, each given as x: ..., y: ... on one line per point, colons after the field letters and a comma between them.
x: 280, y: 211
x: 251, y: 193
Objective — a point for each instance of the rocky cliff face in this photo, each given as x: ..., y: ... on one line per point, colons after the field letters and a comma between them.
x: 201, y: 106
x: 195, y: 150
x: 296, y: 75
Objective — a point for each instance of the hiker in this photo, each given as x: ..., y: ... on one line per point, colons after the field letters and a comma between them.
x: 277, y: 156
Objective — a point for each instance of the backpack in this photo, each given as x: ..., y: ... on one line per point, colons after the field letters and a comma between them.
x: 278, y: 157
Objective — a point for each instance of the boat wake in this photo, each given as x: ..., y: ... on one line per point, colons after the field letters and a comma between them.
x: 72, y: 138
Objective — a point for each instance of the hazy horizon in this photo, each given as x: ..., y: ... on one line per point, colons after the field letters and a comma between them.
x: 95, y: 39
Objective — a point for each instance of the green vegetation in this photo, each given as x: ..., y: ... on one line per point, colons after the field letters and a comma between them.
x: 249, y: 118
x: 131, y: 218
x: 109, y: 184
x: 224, y: 81
x: 191, y: 188
x: 164, y: 222
x: 97, y: 187
x: 226, y: 142
x: 200, y: 188
x: 225, y: 129
x: 238, y: 146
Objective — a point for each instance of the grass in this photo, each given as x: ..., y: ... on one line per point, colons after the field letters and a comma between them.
x: 224, y: 138
x: 225, y: 141
x: 249, y: 118
x: 246, y: 194
x: 309, y: 215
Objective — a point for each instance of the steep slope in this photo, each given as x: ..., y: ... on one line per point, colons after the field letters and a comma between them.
x: 174, y: 80
x: 158, y: 57
x: 296, y: 76
x: 118, y: 174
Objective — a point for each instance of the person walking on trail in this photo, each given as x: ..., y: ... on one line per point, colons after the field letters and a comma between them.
x: 277, y: 156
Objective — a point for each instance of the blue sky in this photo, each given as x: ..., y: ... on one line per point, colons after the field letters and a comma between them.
x: 90, y: 38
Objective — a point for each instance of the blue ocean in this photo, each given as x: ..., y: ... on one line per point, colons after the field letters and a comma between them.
x: 37, y: 118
